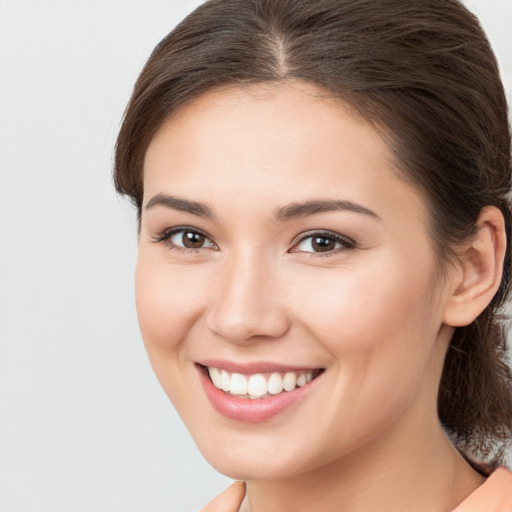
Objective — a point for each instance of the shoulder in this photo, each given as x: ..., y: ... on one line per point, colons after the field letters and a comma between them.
x: 228, y: 501
x: 495, y: 495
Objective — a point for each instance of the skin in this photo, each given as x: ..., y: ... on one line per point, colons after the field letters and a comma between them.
x: 377, y: 316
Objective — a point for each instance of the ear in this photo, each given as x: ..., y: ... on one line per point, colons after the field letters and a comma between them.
x: 478, y: 272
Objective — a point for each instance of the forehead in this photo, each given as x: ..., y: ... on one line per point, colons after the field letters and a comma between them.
x: 283, y: 143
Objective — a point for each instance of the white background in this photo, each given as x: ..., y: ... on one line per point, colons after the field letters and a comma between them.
x: 84, y: 425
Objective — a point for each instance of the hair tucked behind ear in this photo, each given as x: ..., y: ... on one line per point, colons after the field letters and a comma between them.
x: 424, y: 74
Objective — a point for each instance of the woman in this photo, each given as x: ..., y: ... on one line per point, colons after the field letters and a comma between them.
x: 324, y: 250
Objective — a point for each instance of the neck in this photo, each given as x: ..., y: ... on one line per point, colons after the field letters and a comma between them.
x: 396, y: 472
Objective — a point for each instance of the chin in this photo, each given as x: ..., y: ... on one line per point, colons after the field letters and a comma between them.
x: 254, y: 467
x: 262, y: 455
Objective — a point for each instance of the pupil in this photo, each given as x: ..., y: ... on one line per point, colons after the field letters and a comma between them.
x: 193, y: 240
x: 322, y: 244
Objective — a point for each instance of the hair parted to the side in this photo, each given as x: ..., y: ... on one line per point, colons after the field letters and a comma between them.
x: 424, y: 75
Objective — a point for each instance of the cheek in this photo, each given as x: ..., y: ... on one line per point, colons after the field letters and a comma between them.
x: 380, y: 326
x: 346, y: 304
x: 165, y: 301
x: 380, y: 330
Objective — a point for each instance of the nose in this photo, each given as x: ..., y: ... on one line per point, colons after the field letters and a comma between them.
x: 245, y: 302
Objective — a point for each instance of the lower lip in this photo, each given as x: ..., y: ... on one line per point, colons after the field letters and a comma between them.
x: 252, y: 410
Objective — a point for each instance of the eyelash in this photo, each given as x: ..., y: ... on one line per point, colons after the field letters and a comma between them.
x: 346, y: 243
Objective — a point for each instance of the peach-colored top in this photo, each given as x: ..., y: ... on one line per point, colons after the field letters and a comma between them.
x: 495, y: 495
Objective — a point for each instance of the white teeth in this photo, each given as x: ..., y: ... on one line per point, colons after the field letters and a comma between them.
x: 275, y: 384
x: 225, y: 380
x: 215, y: 376
x: 238, y: 384
x: 289, y: 381
x: 257, y: 385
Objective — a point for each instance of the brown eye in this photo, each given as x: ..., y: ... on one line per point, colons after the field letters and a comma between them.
x: 192, y: 240
x: 323, y: 243
x: 187, y: 239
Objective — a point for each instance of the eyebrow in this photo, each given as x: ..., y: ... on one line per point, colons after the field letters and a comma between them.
x: 300, y: 210
x: 183, y: 205
x: 284, y: 214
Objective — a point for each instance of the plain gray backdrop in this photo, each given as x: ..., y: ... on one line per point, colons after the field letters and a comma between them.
x: 84, y: 425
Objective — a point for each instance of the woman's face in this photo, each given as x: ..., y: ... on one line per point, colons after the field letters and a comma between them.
x: 278, y: 245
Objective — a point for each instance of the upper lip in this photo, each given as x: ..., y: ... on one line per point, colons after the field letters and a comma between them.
x: 253, y: 367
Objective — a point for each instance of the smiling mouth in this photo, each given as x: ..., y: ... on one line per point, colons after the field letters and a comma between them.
x: 259, y: 385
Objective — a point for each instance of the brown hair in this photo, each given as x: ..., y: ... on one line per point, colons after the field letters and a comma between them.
x: 424, y: 74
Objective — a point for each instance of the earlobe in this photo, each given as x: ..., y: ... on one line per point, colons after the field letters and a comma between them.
x: 480, y: 268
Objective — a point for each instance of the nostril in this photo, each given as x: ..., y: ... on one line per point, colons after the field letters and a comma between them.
x: 250, y: 326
